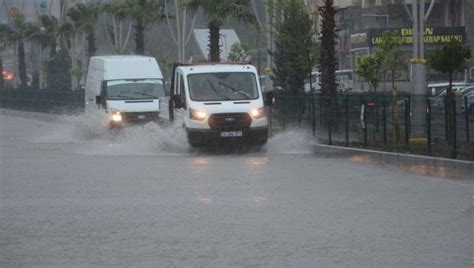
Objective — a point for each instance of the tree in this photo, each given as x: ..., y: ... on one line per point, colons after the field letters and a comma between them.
x: 142, y: 12
x: 327, y: 61
x: 218, y: 12
x: 73, y: 42
x: 58, y: 62
x: 118, y: 32
x: 239, y: 52
x: 293, y: 46
x: 49, y: 34
x: 180, y: 32
x: 389, y: 47
x: 87, y: 16
x: 19, y: 33
x: 449, y: 59
x: 369, y: 67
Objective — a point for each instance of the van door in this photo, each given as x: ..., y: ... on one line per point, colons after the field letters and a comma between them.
x: 180, y: 113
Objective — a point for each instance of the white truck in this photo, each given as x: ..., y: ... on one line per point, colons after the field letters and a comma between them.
x: 217, y: 102
x: 125, y: 89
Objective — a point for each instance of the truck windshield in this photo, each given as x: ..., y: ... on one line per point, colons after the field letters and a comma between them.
x: 135, y: 89
x: 222, y: 86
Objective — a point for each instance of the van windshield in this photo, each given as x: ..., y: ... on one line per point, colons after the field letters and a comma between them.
x: 222, y: 86
x: 135, y: 89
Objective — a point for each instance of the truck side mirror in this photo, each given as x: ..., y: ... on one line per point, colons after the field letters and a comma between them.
x: 268, y: 99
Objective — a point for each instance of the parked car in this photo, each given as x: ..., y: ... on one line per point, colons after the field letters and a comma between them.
x: 436, y: 89
x: 469, y: 102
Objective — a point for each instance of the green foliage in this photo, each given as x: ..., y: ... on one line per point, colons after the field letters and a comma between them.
x: 166, y: 65
x: 58, y: 72
x: 18, y: 34
x: 369, y: 67
x: 450, y: 58
x: 49, y: 32
x: 293, y: 48
x: 239, y: 52
x: 143, y: 12
x: 389, y: 48
x: 217, y: 13
x: 86, y: 16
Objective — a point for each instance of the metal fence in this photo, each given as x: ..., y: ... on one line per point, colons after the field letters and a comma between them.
x: 46, y: 101
x: 367, y: 120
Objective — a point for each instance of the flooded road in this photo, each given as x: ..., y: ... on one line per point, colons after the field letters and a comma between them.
x: 72, y: 194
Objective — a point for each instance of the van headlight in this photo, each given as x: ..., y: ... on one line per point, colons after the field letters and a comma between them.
x: 258, y: 113
x: 116, y: 116
x: 197, y: 115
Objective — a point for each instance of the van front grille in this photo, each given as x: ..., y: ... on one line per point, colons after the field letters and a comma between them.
x: 138, y: 117
x: 230, y: 121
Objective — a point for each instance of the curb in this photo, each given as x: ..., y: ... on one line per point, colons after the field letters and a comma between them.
x: 423, y: 165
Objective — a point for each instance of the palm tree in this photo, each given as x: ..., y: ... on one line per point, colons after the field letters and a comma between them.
x: 142, y: 12
x: 19, y: 33
x: 49, y: 34
x: 74, y: 37
x: 218, y: 12
x: 87, y: 16
x: 45, y: 37
x: 119, y: 24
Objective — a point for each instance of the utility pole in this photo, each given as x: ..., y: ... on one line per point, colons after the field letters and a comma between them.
x: 418, y: 67
x: 269, y: 21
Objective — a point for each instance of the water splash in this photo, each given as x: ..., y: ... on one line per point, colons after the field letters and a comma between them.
x: 153, y: 139
x: 291, y: 142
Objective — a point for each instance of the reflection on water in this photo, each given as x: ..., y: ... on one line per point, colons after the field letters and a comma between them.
x: 256, y: 162
x: 204, y: 200
x: 260, y: 199
x: 200, y: 161
x: 362, y: 158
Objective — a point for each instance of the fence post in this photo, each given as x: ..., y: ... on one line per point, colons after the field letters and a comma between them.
x: 384, y: 114
x: 365, y: 126
x: 299, y: 110
x: 428, y: 125
x: 446, y: 127
x: 466, y: 118
x: 285, y: 115
x: 313, y: 115
x: 407, y: 131
x: 329, y: 112
x: 347, y: 120
x: 455, y: 146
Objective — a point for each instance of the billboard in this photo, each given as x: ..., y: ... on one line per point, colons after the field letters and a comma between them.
x: 432, y: 36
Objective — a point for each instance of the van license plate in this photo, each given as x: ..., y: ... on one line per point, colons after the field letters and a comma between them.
x: 231, y: 134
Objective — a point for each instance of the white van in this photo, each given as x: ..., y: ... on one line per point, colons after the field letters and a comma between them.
x: 125, y: 88
x: 217, y: 102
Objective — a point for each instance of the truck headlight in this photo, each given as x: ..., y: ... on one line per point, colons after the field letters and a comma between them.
x: 197, y: 115
x: 258, y: 113
x: 116, y: 116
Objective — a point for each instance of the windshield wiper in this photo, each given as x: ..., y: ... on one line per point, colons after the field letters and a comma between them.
x: 215, y: 90
x: 118, y: 97
x: 235, y: 90
x: 147, y: 95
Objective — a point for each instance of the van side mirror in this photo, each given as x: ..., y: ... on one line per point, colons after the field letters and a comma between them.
x: 98, y: 99
x: 177, y: 101
x: 268, y: 98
